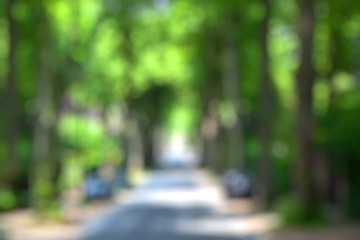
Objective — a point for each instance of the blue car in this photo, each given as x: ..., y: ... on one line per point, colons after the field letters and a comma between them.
x: 96, y: 188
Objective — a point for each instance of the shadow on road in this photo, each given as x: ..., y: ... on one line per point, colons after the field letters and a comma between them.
x: 162, y: 222
x: 169, y: 206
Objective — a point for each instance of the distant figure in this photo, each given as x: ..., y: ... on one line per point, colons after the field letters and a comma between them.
x: 237, y: 184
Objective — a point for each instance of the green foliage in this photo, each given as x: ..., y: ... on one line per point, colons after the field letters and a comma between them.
x: 342, y: 141
x: 284, y: 61
x: 343, y: 133
x: 293, y: 212
x: 7, y: 199
x: 3, y: 51
x: 80, y: 132
x: 182, y: 119
x: 158, y: 63
x: 88, y: 146
x: 321, y: 93
x: 74, y: 173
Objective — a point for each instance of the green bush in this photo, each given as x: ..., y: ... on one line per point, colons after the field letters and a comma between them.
x: 7, y: 200
x: 293, y: 212
x: 290, y: 210
x: 341, y: 137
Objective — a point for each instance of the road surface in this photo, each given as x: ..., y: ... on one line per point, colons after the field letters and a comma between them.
x: 171, y: 205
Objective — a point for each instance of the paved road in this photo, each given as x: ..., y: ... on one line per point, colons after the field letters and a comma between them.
x: 171, y: 205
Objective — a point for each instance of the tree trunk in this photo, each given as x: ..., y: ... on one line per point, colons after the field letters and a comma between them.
x: 335, y: 58
x: 45, y: 138
x: 148, y: 151
x: 209, y: 133
x: 231, y: 92
x: 210, y: 124
x: 266, y: 113
x: 305, y: 188
x: 11, y: 100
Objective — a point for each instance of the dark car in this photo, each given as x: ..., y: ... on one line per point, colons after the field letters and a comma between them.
x: 238, y: 183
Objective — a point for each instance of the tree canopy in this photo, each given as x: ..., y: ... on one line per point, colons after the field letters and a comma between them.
x: 266, y: 86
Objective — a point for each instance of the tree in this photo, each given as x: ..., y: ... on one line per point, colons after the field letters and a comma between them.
x: 12, y: 109
x: 266, y: 115
x: 304, y: 172
x: 44, y: 147
x: 231, y: 81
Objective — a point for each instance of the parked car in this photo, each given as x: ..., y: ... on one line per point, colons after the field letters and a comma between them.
x: 95, y: 187
x: 238, y: 184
